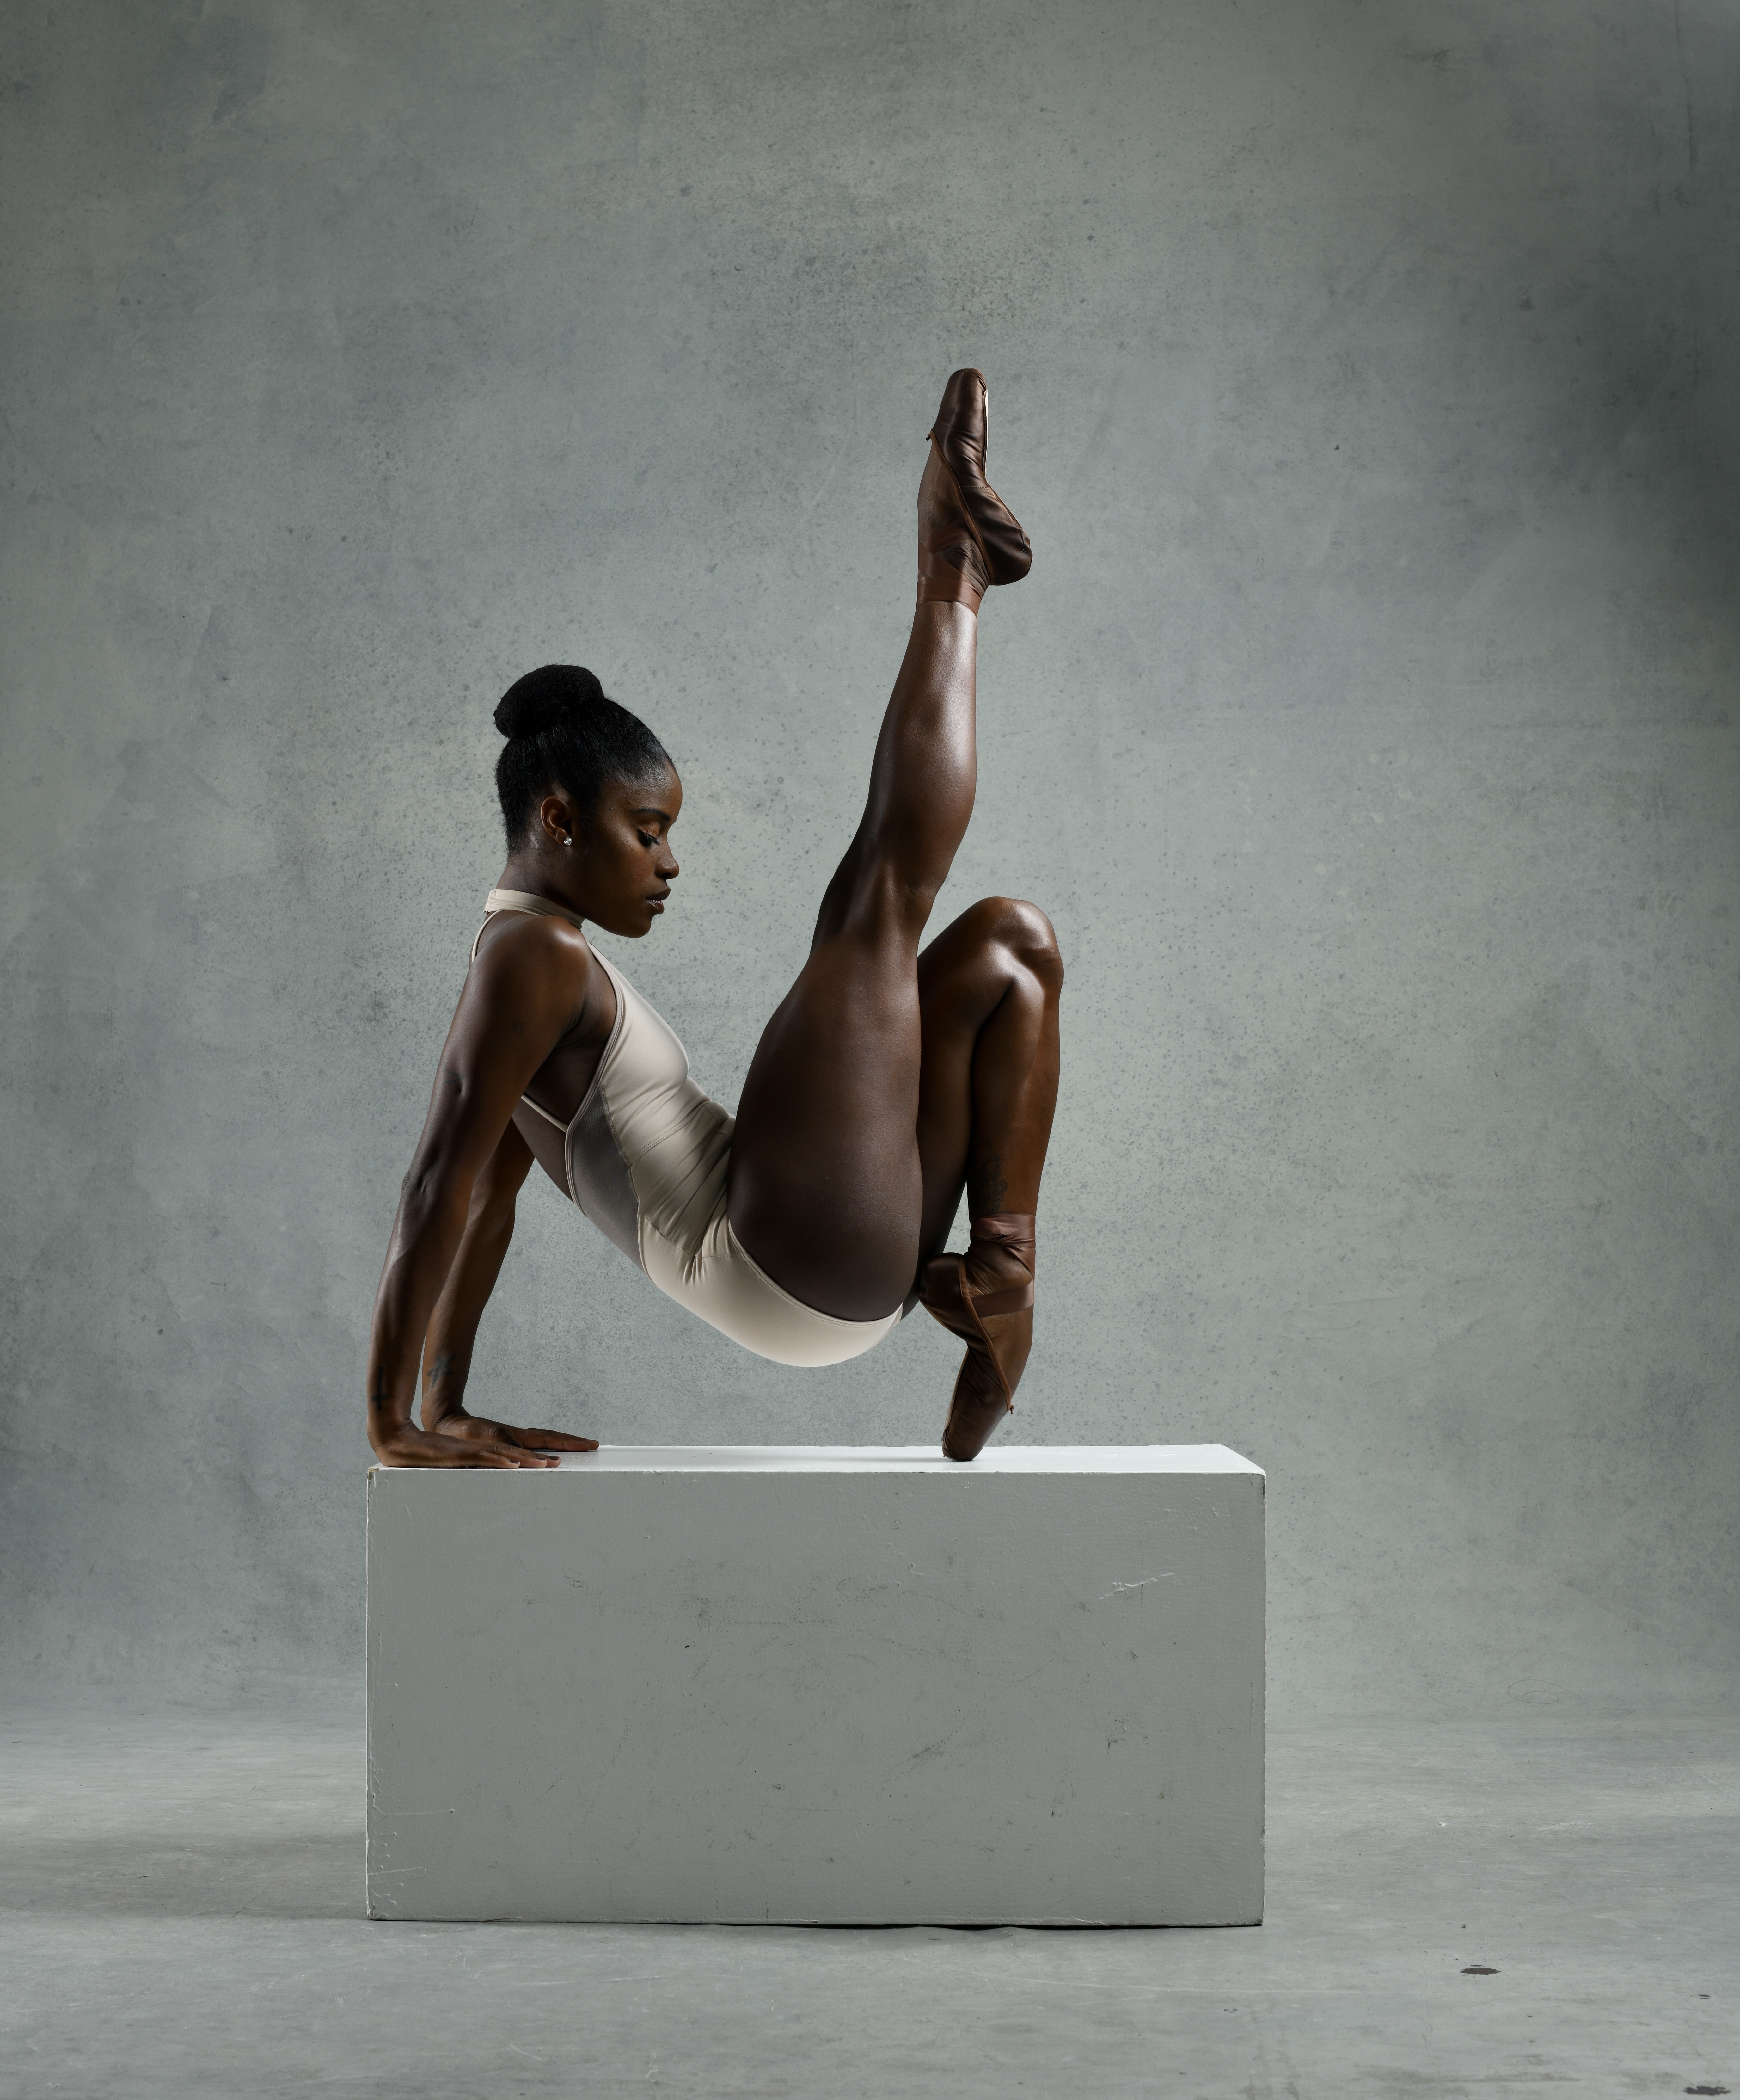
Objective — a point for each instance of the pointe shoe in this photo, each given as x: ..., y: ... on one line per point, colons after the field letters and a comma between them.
x: 969, y: 539
x: 986, y: 1297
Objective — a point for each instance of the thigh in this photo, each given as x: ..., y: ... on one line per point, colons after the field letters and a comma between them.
x: 852, y: 1139
x: 826, y: 1187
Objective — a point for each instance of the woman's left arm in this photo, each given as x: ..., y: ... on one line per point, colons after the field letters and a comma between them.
x: 522, y: 994
x: 453, y: 1328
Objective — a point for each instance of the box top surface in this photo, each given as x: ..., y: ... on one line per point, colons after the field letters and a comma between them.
x: 1119, y: 1458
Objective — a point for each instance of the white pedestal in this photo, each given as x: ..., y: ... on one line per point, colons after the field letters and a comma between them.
x: 840, y: 1687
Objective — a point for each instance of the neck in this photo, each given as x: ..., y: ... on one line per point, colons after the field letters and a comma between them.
x: 532, y: 874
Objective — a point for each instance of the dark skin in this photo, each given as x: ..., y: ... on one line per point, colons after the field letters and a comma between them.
x: 887, y: 1080
x: 534, y: 1017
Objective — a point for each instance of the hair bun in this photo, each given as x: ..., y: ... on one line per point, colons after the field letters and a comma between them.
x: 556, y: 692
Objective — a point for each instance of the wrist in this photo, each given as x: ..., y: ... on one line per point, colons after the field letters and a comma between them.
x: 445, y: 1372
x: 387, y: 1417
x: 390, y: 1444
x: 408, y: 1446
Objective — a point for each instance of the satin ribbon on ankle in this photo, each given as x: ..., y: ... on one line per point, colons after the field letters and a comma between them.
x: 945, y: 571
x: 1013, y: 1230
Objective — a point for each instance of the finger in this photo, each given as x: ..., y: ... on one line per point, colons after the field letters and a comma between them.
x: 544, y: 1440
x: 430, y: 1451
x: 487, y: 1451
x: 494, y: 1455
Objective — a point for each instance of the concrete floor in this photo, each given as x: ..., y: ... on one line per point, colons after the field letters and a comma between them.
x: 181, y: 1914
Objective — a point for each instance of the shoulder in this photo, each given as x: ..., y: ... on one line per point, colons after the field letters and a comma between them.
x: 525, y: 959
x: 517, y: 937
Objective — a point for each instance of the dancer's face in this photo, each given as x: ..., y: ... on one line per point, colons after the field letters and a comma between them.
x: 621, y: 859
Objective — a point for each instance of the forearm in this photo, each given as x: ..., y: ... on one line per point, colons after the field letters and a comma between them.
x: 453, y: 1329
x: 469, y: 1155
x: 426, y: 1235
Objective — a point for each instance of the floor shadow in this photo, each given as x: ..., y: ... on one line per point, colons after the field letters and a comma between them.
x: 168, y: 1876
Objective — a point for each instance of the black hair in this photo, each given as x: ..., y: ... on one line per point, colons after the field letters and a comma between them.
x: 562, y: 732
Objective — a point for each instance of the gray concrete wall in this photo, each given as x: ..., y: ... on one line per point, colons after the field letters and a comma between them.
x: 1365, y: 377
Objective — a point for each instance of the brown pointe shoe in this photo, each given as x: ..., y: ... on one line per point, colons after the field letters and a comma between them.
x: 968, y: 537
x: 951, y: 563
x: 986, y: 1297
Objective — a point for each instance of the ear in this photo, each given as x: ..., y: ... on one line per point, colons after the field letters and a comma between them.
x: 558, y: 824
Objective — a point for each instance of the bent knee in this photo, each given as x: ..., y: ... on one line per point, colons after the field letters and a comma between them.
x: 1029, y: 935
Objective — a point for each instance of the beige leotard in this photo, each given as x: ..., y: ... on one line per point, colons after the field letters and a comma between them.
x: 649, y: 1160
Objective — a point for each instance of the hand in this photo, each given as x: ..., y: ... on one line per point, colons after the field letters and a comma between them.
x: 478, y: 1430
x: 477, y: 1444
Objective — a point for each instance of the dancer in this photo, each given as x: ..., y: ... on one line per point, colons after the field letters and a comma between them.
x: 887, y: 1080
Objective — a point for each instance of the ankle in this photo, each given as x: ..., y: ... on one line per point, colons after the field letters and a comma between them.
x: 1001, y: 1261
x: 951, y: 572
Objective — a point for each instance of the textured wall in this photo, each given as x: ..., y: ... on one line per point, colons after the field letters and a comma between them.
x: 1365, y: 377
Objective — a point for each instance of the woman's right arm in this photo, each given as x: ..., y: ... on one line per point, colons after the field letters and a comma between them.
x: 523, y: 994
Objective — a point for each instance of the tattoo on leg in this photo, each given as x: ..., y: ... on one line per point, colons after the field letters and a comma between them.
x: 989, y: 1185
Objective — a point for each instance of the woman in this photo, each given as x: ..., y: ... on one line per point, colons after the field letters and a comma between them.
x: 886, y: 1080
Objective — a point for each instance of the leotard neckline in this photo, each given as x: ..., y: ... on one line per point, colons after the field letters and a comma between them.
x: 525, y: 900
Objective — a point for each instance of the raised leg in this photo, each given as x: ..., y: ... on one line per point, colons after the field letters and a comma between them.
x: 829, y: 1187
